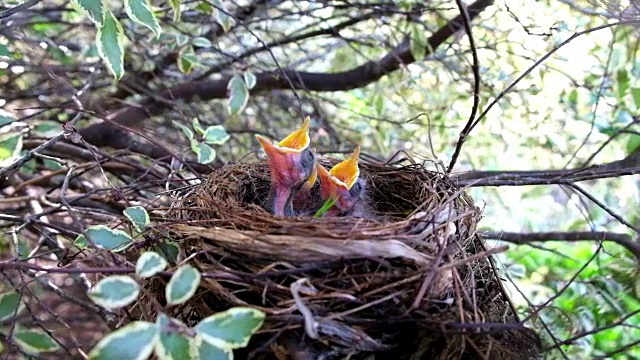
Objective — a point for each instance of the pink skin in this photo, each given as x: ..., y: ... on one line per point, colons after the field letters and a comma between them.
x: 288, y: 172
x: 347, y: 199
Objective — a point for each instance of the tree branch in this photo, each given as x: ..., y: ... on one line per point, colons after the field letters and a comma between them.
x: 627, y: 166
x: 571, y: 236
x: 105, y: 134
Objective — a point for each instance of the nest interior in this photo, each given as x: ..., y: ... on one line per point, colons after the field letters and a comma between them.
x: 409, y: 280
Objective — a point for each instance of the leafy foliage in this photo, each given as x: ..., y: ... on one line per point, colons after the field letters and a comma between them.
x: 244, y: 69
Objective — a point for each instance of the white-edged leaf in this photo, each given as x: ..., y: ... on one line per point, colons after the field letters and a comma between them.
x: 188, y: 132
x: 10, y: 147
x: 182, y: 285
x: 6, y: 118
x: 47, y: 128
x: 10, y: 305
x: 81, y: 242
x: 216, y: 135
x: 201, y: 42
x: 107, y: 238
x: 207, y: 351
x: 95, y: 9
x: 222, y: 16
x: 34, y: 341
x: 173, y: 343
x: 182, y: 40
x: 195, y: 123
x: 186, y: 61
x: 150, y: 263
x: 138, y: 216
x: 175, y: 6
x: 230, y: 329
x: 134, y: 341
x: 238, y: 95
x: 206, y: 153
x: 110, y: 43
x: 140, y: 12
x: 114, y: 292
x: 250, y: 79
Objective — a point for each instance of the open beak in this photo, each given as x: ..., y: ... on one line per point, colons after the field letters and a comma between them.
x: 284, y: 157
x: 313, y: 177
x: 347, y: 171
x: 294, y: 143
x: 341, y: 177
x: 290, y: 163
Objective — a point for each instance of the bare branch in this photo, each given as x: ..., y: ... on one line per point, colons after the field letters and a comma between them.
x: 567, y: 236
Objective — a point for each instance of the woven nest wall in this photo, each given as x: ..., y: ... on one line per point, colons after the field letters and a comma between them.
x: 409, y: 281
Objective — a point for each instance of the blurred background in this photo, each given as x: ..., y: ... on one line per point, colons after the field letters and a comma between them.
x: 546, y: 93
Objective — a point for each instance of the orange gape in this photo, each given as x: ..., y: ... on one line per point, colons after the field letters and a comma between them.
x: 342, y: 184
x: 291, y: 165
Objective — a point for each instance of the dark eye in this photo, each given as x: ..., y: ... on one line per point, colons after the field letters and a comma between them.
x: 310, y: 155
x: 308, y: 158
x: 357, y: 188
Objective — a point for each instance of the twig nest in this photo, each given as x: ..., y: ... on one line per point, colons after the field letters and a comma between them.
x: 394, y: 281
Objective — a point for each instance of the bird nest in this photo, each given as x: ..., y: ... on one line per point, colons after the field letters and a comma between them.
x: 410, y: 280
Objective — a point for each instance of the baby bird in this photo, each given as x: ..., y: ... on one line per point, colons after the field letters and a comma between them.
x: 291, y: 166
x: 343, y: 185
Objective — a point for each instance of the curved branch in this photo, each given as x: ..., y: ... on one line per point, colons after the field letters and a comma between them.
x: 105, y: 134
x: 630, y: 165
x: 571, y: 236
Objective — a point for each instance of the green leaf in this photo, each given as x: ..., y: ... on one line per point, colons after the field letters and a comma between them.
x: 175, y: 6
x: 4, y: 51
x: 207, y: 351
x: 325, y: 207
x: 10, y: 147
x: 182, y: 285
x: 150, y: 263
x: 196, y: 126
x: 622, y: 83
x: 182, y: 40
x: 10, y: 305
x: 188, y: 132
x: 186, y: 61
x: 34, y: 341
x: 6, y: 119
x: 222, y: 17
x: 633, y: 143
x: 133, y: 341
x: 47, y: 128
x: 110, y: 42
x: 238, y: 95
x: 138, y: 216
x: 250, y: 79
x: 107, y: 238
x: 81, y: 242
x: 169, y: 250
x: 173, y: 342
x: 635, y: 93
x: 95, y: 9
x: 216, y: 135
x: 114, y: 292
x: 140, y: 12
x: 206, y: 154
x: 201, y: 42
x: 231, y: 329
x: 418, y: 42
